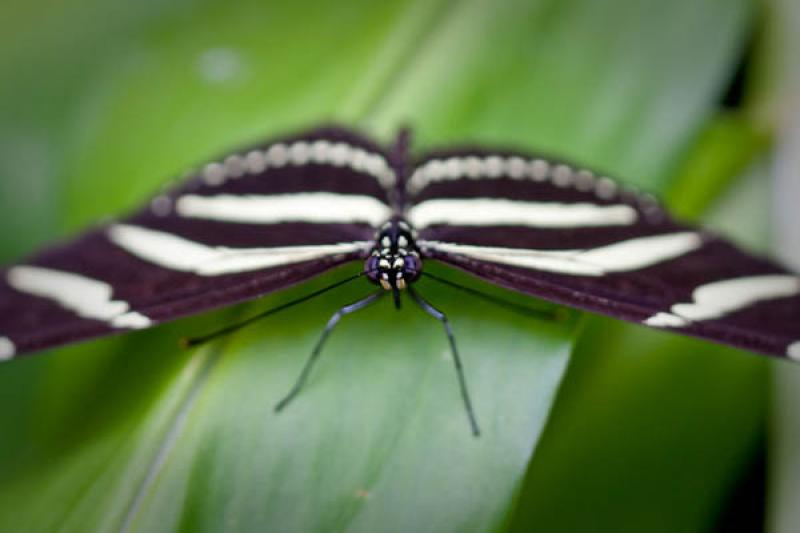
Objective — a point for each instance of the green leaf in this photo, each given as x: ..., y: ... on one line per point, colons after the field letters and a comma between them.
x: 133, y: 434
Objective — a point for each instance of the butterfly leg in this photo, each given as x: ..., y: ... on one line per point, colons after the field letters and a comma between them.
x: 462, y: 382
x: 346, y: 310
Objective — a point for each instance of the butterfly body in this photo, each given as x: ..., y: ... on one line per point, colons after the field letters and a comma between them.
x: 394, y: 262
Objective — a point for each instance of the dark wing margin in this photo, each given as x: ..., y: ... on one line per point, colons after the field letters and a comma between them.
x: 559, y: 232
x: 253, y: 222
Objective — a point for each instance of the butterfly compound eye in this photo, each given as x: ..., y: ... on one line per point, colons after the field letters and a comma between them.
x: 371, y: 268
x: 412, y: 267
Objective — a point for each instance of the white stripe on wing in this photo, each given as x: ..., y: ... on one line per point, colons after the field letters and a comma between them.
x: 86, y: 297
x: 624, y: 256
x: 719, y: 298
x: 176, y: 253
x: 312, y: 207
x: 504, y: 212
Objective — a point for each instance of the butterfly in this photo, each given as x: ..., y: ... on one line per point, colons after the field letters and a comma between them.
x: 277, y: 214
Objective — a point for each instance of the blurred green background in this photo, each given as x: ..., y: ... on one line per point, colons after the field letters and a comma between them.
x: 590, y: 425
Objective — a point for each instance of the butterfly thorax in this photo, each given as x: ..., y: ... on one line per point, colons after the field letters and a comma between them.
x: 395, y: 261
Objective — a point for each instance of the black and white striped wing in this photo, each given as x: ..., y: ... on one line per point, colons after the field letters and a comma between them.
x: 252, y: 223
x: 560, y: 233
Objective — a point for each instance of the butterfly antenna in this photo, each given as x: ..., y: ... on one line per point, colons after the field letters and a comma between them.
x: 346, y: 310
x: 462, y: 382
x: 542, y: 314
x: 190, y: 342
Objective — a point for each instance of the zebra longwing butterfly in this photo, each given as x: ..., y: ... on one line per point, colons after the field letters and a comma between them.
x: 266, y: 218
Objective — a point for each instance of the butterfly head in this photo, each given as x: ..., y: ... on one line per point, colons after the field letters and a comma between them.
x: 394, y: 261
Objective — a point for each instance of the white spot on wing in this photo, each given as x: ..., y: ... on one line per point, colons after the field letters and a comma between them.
x: 666, y: 320
x: 562, y: 176
x: 502, y: 212
x: 312, y: 207
x: 605, y: 188
x: 584, y: 180
x: 7, y: 349
x: 234, y: 166
x: 176, y: 253
x: 539, y: 169
x: 214, y: 174
x: 494, y: 166
x: 320, y: 151
x: 516, y: 168
x: 339, y: 154
x: 473, y: 167
x: 161, y: 205
x: 256, y: 161
x: 624, y: 256
x: 299, y: 153
x: 719, y: 298
x: 86, y: 297
x: 793, y: 351
x: 131, y: 320
x: 453, y: 168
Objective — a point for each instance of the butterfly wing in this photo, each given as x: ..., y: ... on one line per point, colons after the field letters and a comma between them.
x: 561, y: 233
x: 254, y: 222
